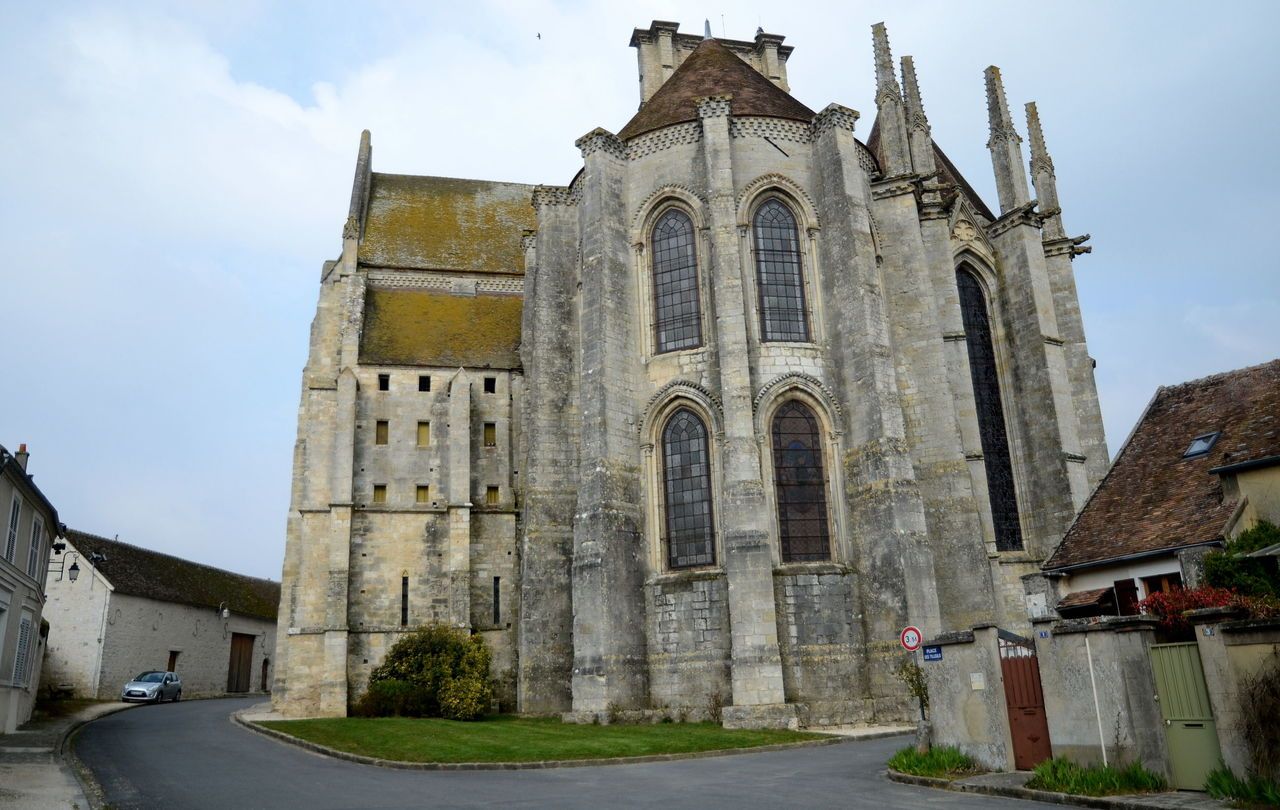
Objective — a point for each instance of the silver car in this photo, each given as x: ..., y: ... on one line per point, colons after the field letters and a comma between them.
x: 152, y: 687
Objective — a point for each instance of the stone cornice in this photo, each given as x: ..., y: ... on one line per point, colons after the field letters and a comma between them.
x: 714, y: 106
x: 834, y: 116
x: 553, y: 195
x: 1069, y: 246
x: 601, y: 140
x: 1024, y: 214
x: 893, y: 186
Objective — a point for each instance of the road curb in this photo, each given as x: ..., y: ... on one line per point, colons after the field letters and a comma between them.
x: 542, y: 765
x: 1129, y: 801
x: 67, y: 754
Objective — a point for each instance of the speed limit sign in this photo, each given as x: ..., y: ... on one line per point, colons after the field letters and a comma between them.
x: 911, y: 638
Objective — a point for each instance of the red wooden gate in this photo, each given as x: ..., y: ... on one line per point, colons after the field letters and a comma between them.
x: 1025, y: 701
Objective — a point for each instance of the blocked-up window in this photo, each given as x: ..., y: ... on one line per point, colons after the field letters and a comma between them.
x: 423, y: 494
x: 379, y: 493
x: 11, y: 541
x: 491, y: 496
x: 490, y: 434
x: 37, y: 545
x: 424, y: 434
x: 381, y: 432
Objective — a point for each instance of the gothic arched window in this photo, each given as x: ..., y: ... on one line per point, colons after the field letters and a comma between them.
x: 991, y: 427
x: 686, y: 479
x: 782, y: 309
x: 800, y: 484
x: 677, y: 316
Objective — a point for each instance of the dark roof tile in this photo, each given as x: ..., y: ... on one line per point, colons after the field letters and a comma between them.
x: 1154, y: 499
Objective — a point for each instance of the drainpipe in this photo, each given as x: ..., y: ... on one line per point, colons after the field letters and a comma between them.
x: 1097, y: 710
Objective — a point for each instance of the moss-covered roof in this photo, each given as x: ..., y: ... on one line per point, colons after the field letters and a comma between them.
x: 422, y: 328
x: 443, y: 223
x: 712, y: 69
x: 135, y: 571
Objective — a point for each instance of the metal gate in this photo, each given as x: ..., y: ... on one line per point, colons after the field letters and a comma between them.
x: 1188, y: 717
x: 1024, y: 699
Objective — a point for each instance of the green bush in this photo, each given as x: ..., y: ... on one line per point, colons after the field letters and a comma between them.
x: 1255, y: 791
x: 1249, y: 576
x: 943, y: 762
x: 434, y: 671
x: 1064, y: 776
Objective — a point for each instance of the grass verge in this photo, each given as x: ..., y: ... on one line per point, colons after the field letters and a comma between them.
x: 1251, y: 792
x: 506, y: 738
x: 944, y: 762
x: 1065, y: 776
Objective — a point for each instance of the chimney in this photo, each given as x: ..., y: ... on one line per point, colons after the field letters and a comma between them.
x: 21, y: 456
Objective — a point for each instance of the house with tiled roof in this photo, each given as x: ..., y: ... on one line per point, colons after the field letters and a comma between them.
x: 1201, y: 466
x: 117, y: 609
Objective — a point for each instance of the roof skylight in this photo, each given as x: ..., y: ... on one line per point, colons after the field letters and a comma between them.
x: 1201, y: 444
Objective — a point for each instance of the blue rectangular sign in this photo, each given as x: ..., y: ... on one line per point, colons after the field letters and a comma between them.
x: 933, y: 653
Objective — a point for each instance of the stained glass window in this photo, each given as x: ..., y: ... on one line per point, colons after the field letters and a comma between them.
x: 991, y: 427
x: 782, y: 309
x: 677, y: 319
x: 687, y: 486
x: 800, y: 484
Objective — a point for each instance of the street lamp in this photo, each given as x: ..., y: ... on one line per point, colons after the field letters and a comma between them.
x: 73, y: 573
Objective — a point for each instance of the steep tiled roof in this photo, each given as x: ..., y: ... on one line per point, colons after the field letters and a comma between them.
x: 135, y: 571
x: 1152, y: 498
x: 443, y: 223
x: 712, y: 70
x: 421, y: 328
x: 1087, y: 598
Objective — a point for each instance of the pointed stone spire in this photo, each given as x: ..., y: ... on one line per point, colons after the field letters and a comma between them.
x: 1005, y: 146
x: 1042, y: 176
x: 918, y: 132
x: 890, y: 115
x: 706, y: 29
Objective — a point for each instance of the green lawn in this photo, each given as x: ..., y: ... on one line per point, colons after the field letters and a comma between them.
x: 520, y: 739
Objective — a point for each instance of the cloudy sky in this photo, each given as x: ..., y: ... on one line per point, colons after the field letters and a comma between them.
x: 173, y: 175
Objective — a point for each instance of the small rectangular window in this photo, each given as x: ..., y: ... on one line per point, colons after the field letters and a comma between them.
x: 424, y: 382
x: 490, y: 434
x: 384, y: 382
x: 379, y: 493
x: 424, y: 434
x: 497, y: 606
x: 491, y: 496
x: 380, y: 432
x: 404, y: 601
x: 490, y: 385
x: 423, y: 494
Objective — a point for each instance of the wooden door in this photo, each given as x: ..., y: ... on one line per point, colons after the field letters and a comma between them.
x: 240, y: 669
x: 1024, y: 700
x: 1190, y: 730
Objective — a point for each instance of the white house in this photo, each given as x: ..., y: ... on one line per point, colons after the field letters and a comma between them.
x: 116, y: 610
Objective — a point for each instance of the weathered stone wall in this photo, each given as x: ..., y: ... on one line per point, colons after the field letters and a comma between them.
x: 1079, y: 660
x: 966, y: 697
x: 823, y: 652
x: 77, y: 613
x: 688, y: 642
x: 1232, y: 650
x: 139, y: 634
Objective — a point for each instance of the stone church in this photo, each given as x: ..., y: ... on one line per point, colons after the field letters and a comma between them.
x: 702, y: 430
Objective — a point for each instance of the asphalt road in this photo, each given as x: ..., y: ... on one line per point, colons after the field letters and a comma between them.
x: 190, y: 755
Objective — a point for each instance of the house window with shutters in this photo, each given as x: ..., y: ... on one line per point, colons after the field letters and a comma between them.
x: 37, y: 545
x: 11, y: 539
x: 22, y: 653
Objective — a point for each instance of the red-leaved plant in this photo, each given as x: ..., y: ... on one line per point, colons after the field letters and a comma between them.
x: 1168, y: 606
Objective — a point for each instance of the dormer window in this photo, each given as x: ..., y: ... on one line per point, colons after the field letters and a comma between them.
x: 1201, y: 444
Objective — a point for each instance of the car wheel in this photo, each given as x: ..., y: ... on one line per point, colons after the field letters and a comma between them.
x: 177, y: 696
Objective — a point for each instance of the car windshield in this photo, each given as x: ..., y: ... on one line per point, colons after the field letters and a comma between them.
x: 150, y: 677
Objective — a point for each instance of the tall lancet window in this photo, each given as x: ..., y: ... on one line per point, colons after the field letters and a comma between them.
x: 678, y: 319
x: 782, y: 309
x: 800, y: 484
x: 986, y: 395
x: 686, y: 482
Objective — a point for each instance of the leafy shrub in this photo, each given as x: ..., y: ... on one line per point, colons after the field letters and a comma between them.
x: 944, y: 762
x: 1249, y: 576
x: 436, y: 671
x: 1254, y: 791
x: 392, y: 699
x: 1064, y: 776
x: 912, y: 674
x: 1259, y: 704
